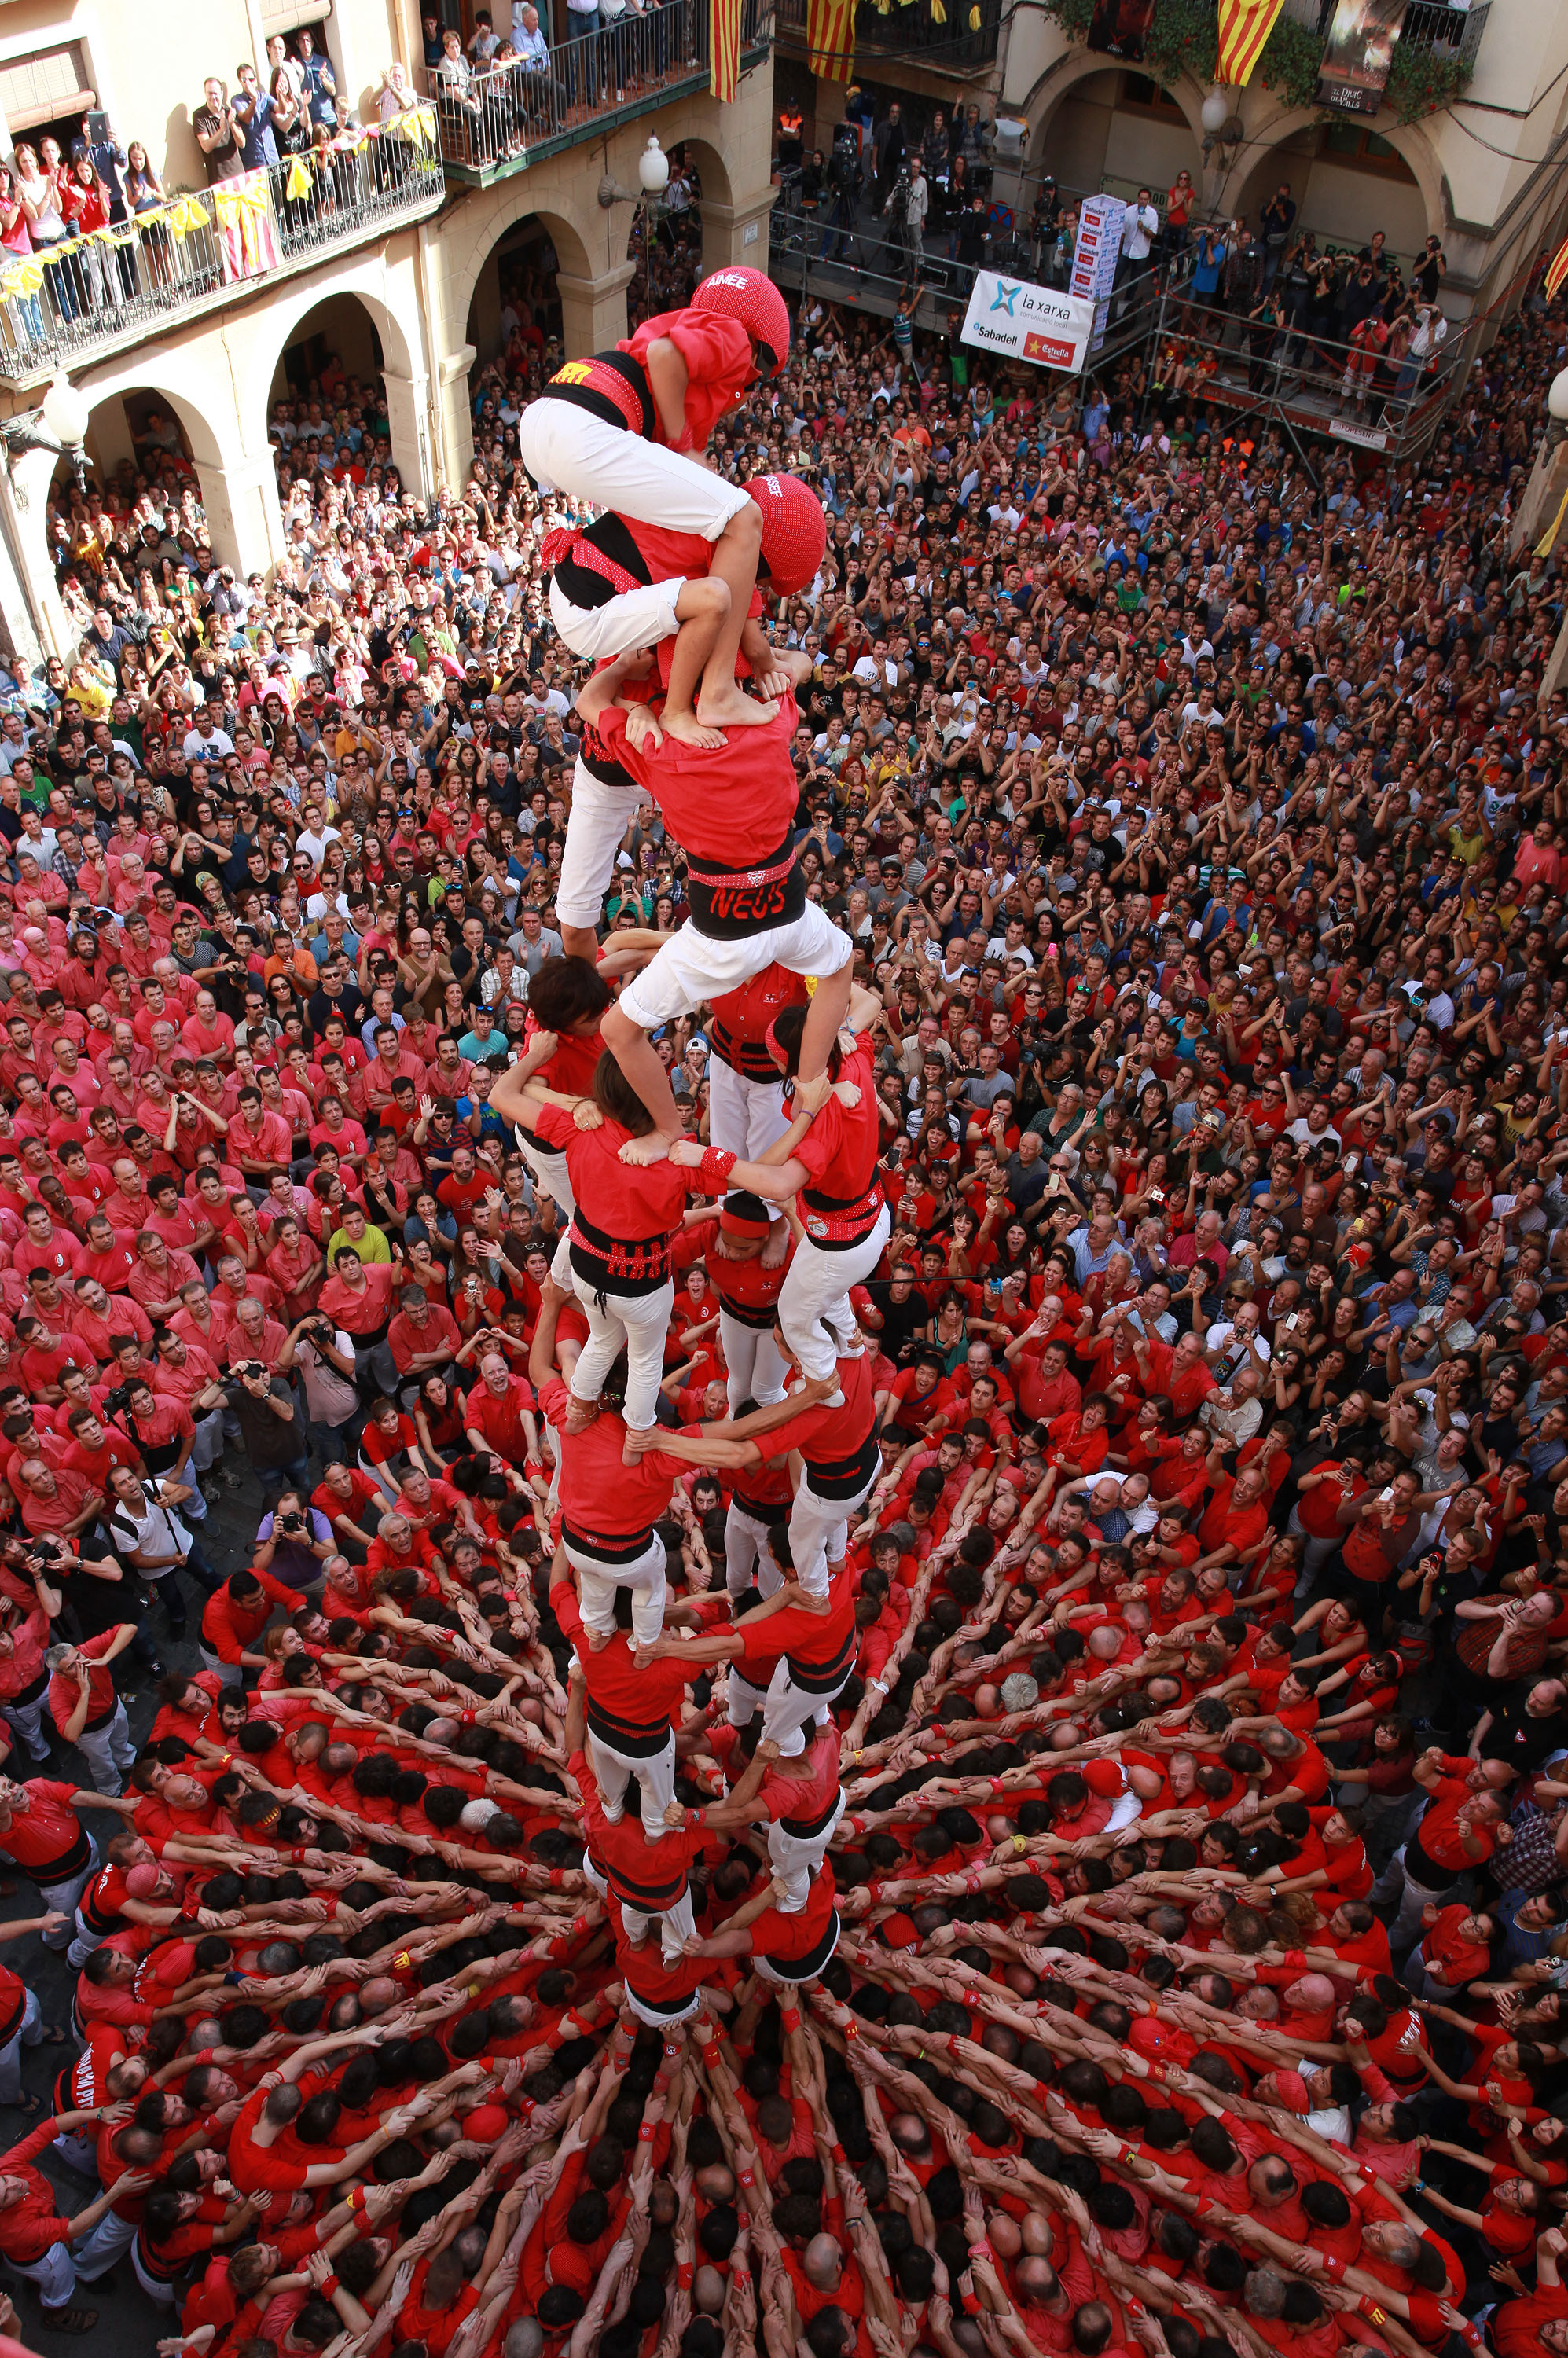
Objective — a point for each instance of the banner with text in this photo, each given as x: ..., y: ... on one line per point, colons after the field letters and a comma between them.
x: 1360, y: 50
x: 1028, y: 323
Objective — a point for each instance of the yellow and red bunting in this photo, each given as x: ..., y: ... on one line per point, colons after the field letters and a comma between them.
x: 830, y: 39
x: 1244, y: 26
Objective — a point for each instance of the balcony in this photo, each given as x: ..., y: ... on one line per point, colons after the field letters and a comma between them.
x: 206, y: 247
x: 913, y: 29
x: 1430, y: 28
x: 498, y: 123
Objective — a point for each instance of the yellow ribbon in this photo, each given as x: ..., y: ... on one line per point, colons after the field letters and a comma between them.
x: 234, y: 198
x: 1545, y: 545
x: 23, y: 278
x: 187, y: 213
x: 300, y: 182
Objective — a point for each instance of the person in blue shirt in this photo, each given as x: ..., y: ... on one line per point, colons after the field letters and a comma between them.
x: 1211, y: 257
x: 253, y: 112
x: 476, y: 1112
x: 476, y: 1046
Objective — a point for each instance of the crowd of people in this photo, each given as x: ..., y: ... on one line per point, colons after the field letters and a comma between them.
x: 900, y: 1686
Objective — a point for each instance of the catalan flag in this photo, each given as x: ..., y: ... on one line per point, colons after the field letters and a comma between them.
x: 830, y: 39
x: 724, y: 49
x: 1557, y: 270
x: 1244, y: 26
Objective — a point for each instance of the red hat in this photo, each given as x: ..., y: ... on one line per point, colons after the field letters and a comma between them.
x: 1291, y: 2091
x: 743, y: 1216
x: 486, y: 2124
x: 795, y: 531
x: 751, y: 297
x: 898, y: 1932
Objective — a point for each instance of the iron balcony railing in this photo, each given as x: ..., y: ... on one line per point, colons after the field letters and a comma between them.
x: 64, y: 304
x: 935, y: 32
x: 507, y: 115
x: 1427, y: 25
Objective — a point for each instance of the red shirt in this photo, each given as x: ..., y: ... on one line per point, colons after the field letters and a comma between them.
x: 500, y: 1421
x: 601, y: 1498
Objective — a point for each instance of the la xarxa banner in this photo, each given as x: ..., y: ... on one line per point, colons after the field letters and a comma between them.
x: 1028, y: 323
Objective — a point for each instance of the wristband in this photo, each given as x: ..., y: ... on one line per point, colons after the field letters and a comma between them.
x: 746, y: 2177
x: 1372, y: 2311
x: 710, y: 2055
x: 465, y: 1719
x: 558, y: 1874
x: 401, y: 1962
x: 1333, y: 2268
x: 790, y: 2018
x: 683, y: 2274
x: 714, y: 1169
x: 356, y: 2198
x: 329, y: 2288
x: 227, y: 1757
x: 996, y: 1785
x: 982, y: 2251
x: 851, y: 2030
x: 645, y: 2133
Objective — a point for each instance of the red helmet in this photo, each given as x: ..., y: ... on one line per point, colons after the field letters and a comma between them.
x: 795, y: 532
x: 751, y: 297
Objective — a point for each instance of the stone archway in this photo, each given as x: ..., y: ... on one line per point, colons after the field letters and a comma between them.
x: 1077, y: 65
x: 1269, y: 125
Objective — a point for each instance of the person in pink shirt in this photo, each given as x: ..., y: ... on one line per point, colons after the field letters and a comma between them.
x: 207, y: 1033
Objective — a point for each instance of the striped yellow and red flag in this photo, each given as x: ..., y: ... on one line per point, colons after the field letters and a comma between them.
x: 830, y: 39
x: 1244, y: 26
x: 724, y: 49
x: 1557, y: 270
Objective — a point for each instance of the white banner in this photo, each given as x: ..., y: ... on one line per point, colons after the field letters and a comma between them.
x: 1028, y: 323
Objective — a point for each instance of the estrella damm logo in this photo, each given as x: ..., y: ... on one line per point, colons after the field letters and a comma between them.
x: 574, y: 373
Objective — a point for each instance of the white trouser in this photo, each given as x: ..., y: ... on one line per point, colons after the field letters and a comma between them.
x: 662, y: 2021
x: 112, y: 2237
x: 744, y: 1117
x: 596, y: 828
x: 745, y: 1700
x: 75, y: 2150
x: 28, y: 2033
x: 109, y: 1753
x: 550, y: 1174
x: 565, y: 449
x: 786, y: 1709
x: 636, y: 1323
x: 795, y: 1861
x: 232, y: 1673
x: 636, y: 618
x: 86, y: 1941
x: 597, y: 1582
x: 816, y: 1295
x: 693, y: 967
x: 820, y: 1532
x: 54, y: 2275
x: 746, y: 1551
x: 786, y: 1981
x: 62, y: 1899
x: 27, y: 1720
x: 755, y: 1366
x: 163, y: 2294
x: 675, y: 1924
x: 208, y: 1446
x: 655, y: 1776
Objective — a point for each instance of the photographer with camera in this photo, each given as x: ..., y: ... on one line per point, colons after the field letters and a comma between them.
x: 846, y: 180
x: 909, y: 202
x: 270, y: 1426
x: 153, y: 1541
x: 324, y: 1355
x: 293, y: 1543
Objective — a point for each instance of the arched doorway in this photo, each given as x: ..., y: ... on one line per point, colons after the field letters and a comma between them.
x: 516, y: 299
x: 346, y: 373
x: 1347, y: 179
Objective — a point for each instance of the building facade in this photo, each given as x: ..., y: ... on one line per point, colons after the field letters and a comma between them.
x: 380, y: 246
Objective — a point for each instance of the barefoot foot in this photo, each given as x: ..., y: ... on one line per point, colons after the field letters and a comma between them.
x: 731, y: 708
x: 690, y: 730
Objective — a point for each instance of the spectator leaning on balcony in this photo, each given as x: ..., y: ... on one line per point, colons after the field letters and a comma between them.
x: 455, y: 74
x: 217, y: 133
x: 396, y: 94
x: 253, y: 112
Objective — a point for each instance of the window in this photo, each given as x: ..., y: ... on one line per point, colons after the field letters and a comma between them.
x: 47, y: 93
x: 1345, y: 143
x: 1138, y: 90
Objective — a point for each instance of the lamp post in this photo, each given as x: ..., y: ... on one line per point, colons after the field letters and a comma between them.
x: 654, y: 178
x: 60, y: 426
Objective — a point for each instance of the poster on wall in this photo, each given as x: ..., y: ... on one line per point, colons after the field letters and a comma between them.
x: 1028, y: 323
x: 1119, y: 28
x: 1359, y: 53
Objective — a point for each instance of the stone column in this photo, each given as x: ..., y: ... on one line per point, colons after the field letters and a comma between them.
x: 408, y: 414
x: 593, y: 310
x: 242, y: 512
x: 737, y: 232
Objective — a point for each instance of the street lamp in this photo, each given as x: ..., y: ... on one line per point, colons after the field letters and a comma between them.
x: 1222, y: 129
x: 61, y: 426
x: 653, y: 175
x: 1557, y: 399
